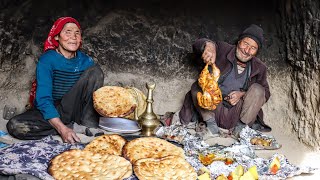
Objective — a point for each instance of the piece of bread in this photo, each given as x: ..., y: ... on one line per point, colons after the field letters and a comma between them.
x: 150, y: 147
x: 107, y: 144
x: 166, y: 168
x: 140, y: 99
x: 78, y: 164
x: 113, y: 101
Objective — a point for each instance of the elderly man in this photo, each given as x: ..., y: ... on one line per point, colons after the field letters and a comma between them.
x: 243, y: 82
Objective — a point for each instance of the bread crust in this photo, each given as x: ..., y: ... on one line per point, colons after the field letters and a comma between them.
x: 150, y: 147
x: 140, y: 99
x: 107, y: 144
x: 166, y: 168
x: 113, y: 101
x: 78, y: 164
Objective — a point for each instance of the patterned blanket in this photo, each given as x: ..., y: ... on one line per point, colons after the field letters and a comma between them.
x: 32, y: 157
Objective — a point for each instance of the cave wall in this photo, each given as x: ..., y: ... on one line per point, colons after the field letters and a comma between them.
x: 141, y: 41
x: 300, y: 23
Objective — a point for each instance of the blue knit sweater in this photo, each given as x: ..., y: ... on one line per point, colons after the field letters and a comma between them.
x: 55, y: 77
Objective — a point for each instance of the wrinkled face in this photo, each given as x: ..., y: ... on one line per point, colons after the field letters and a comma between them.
x: 69, y: 38
x: 246, y: 49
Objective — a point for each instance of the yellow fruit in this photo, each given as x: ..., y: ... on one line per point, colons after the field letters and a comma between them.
x: 233, y: 176
x: 236, y: 174
x: 247, y: 176
x: 222, y: 177
x: 204, y: 170
x: 204, y: 176
x: 254, y: 172
x: 239, y: 170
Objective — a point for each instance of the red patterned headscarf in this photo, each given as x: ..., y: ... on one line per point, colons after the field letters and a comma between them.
x: 50, y: 42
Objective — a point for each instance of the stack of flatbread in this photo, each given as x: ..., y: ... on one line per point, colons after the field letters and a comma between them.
x: 155, y: 158
x: 99, y: 160
x: 152, y: 159
x: 115, y: 101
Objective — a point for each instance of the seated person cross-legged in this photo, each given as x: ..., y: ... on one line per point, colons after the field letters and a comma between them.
x: 243, y: 84
x: 65, y: 81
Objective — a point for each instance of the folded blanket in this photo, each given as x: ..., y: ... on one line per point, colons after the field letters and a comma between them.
x: 32, y: 157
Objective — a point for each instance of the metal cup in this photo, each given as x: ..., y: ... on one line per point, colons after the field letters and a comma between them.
x: 9, y: 112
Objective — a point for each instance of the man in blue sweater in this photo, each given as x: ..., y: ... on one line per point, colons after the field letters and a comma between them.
x: 66, y: 80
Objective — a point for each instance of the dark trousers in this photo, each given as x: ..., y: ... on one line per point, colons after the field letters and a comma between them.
x: 75, y: 106
x: 246, y: 110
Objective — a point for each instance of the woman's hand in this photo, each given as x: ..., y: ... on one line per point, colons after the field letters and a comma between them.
x: 234, y: 97
x: 67, y: 134
x: 209, y: 53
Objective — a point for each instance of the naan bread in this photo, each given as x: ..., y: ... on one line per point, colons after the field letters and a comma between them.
x: 150, y: 147
x: 113, y: 101
x: 77, y: 164
x: 140, y: 99
x: 107, y: 144
x: 166, y: 168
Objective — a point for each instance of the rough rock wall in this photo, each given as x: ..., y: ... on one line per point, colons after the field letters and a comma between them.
x: 301, y: 34
x: 140, y: 41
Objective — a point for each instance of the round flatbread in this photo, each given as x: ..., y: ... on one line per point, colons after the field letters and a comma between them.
x: 150, y: 147
x: 113, y: 101
x: 140, y: 99
x: 107, y: 144
x: 78, y: 164
x: 168, y: 168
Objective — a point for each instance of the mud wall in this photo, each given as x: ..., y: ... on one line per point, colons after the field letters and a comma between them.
x: 141, y: 41
x: 300, y: 25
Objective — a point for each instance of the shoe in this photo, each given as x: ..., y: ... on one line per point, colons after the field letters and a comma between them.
x: 98, y: 134
x: 213, y: 127
x: 166, y: 119
x: 238, y: 128
x: 93, y: 132
x: 259, y: 127
x: 88, y: 132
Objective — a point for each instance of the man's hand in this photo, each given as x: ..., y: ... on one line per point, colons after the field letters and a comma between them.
x: 234, y: 97
x: 209, y: 53
x: 67, y: 134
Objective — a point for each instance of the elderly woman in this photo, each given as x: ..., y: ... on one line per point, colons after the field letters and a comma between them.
x: 65, y: 81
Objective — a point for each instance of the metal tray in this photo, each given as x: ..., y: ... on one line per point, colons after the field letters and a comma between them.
x: 247, y: 134
x: 119, y: 125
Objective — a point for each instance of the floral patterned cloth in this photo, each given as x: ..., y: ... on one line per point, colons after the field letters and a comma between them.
x: 32, y: 157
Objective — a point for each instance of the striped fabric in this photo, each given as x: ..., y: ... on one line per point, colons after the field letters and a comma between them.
x: 63, y: 82
x: 56, y: 75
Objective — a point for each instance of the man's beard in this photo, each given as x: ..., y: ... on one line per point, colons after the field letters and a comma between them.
x: 240, y: 57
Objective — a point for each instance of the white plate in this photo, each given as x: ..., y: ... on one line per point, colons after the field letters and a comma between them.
x: 119, y: 125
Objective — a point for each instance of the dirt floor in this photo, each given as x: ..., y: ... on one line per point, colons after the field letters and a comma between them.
x: 296, y: 152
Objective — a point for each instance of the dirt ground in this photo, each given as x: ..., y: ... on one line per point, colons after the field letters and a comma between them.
x: 297, y: 153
